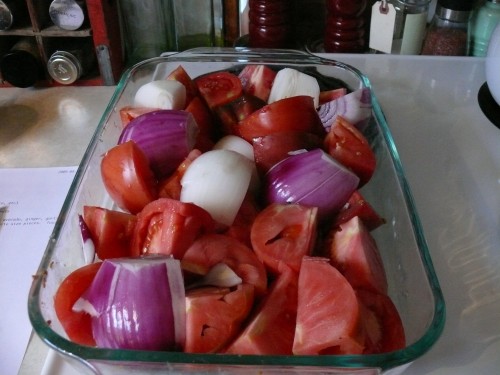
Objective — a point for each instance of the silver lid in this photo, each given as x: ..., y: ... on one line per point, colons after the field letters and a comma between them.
x: 6, y: 18
x: 64, y: 67
x: 66, y: 14
x: 452, y: 15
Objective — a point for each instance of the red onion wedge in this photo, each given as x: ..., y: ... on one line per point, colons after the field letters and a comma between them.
x: 137, y: 303
x: 311, y: 178
x: 355, y: 107
x: 165, y: 136
x: 88, y: 246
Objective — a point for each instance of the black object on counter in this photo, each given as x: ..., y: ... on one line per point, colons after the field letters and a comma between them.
x: 21, y: 66
x: 488, y: 105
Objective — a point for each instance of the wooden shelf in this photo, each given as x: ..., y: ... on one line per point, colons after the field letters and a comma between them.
x: 101, y: 27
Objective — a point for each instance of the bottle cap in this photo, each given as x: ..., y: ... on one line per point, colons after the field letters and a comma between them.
x: 64, y: 67
x: 20, y: 68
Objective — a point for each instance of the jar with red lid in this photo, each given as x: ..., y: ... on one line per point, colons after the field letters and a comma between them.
x: 346, y: 26
x: 270, y: 23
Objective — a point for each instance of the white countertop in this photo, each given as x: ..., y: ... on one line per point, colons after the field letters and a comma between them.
x: 450, y: 152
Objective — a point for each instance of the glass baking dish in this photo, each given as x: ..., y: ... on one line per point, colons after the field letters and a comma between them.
x: 413, y: 284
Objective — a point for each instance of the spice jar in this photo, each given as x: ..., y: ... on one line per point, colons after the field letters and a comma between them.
x: 21, y: 66
x: 269, y: 23
x: 481, y: 26
x: 447, y: 33
x: 410, y: 26
x: 346, y: 26
x: 67, y: 14
x: 67, y: 65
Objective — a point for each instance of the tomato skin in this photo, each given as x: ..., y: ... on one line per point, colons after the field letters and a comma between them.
x: 214, y: 316
x: 219, y: 88
x: 211, y: 249
x: 355, y: 253
x: 129, y: 113
x: 230, y: 114
x: 128, y: 178
x: 168, y: 226
x: 77, y: 325
x: 204, y: 120
x: 384, y: 329
x: 328, y: 318
x: 257, y: 80
x: 284, y: 233
x: 295, y: 113
x: 271, y: 328
x: 171, y: 186
x: 357, y: 205
x: 349, y: 146
x: 242, y: 224
x: 272, y: 148
x: 179, y: 74
x: 111, y: 231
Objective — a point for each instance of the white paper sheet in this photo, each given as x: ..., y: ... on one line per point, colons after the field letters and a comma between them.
x: 30, y: 201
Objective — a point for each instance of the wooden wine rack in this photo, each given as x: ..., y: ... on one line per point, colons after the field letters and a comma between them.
x: 101, y: 26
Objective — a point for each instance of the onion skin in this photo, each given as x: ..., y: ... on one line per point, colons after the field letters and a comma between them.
x: 137, y: 303
x: 165, y: 136
x: 311, y: 178
x: 355, y: 107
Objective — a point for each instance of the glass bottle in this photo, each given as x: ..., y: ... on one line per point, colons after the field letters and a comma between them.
x: 21, y: 66
x: 410, y: 26
x: 346, y: 26
x: 481, y: 26
x: 270, y: 23
x: 447, y: 32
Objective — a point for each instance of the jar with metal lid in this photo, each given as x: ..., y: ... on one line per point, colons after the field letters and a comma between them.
x: 67, y: 14
x: 410, y: 26
x: 447, y: 33
x: 66, y: 66
x: 12, y: 13
x: 21, y: 66
x: 481, y: 26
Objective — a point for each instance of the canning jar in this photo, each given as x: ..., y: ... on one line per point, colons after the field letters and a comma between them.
x: 447, y: 33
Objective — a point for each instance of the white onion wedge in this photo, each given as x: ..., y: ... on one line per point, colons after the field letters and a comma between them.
x: 290, y: 82
x: 217, y: 181
x: 161, y: 94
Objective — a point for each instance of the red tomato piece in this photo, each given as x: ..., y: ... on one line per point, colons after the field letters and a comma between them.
x: 328, y: 312
x: 128, y: 178
x: 272, y: 148
x: 257, y: 80
x: 328, y: 96
x: 355, y: 253
x: 358, y: 206
x: 242, y: 224
x: 77, y: 325
x: 349, y: 146
x: 296, y: 113
x: 111, y: 231
x: 214, y: 316
x: 179, y: 74
x: 205, y: 122
x: 271, y: 329
x: 384, y: 329
x: 171, y: 186
x: 168, y: 226
x: 219, y: 88
x: 232, y: 113
x: 211, y: 249
x: 284, y: 233
x: 129, y: 113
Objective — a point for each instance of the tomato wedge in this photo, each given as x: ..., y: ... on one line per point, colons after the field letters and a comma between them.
x: 355, y: 253
x: 257, y: 80
x: 349, y: 146
x: 284, y: 233
x: 111, y: 231
x: 357, y: 205
x: 214, y: 316
x: 171, y: 186
x: 129, y: 113
x: 77, y: 325
x: 179, y: 74
x: 211, y: 249
x: 168, y: 226
x: 296, y: 113
x: 328, y: 312
x: 128, y: 178
x: 219, y: 88
x: 383, y: 326
x: 204, y: 120
x: 271, y: 329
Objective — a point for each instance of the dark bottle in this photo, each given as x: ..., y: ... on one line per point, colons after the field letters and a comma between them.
x: 346, y: 26
x: 447, y: 33
x: 21, y: 66
x: 270, y: 23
